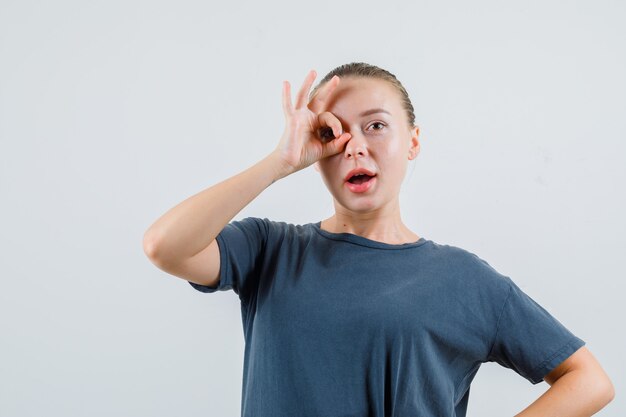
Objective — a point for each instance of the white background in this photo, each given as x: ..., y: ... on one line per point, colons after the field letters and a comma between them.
x: 112, y: 112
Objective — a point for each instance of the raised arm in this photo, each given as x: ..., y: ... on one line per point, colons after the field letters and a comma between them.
x: 187, y: 229
x: 182, y: 241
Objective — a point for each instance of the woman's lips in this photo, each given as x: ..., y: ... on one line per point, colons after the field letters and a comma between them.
x: 361, y: 188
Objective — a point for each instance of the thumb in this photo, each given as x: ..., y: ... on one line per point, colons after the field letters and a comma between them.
x: 336, y: 145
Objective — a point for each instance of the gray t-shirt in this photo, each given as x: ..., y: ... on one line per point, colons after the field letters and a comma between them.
x: 336, y: 324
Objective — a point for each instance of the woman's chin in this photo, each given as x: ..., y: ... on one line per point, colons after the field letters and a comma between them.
x: 360, y: 205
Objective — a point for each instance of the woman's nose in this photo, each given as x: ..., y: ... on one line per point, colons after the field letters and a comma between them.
x: 356, y: 145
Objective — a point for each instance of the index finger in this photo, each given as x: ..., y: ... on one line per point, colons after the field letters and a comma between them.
x: 321, y: 96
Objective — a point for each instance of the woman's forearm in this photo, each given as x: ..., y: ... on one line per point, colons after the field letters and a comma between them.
x: 579, y: 393
x: 191, y: 226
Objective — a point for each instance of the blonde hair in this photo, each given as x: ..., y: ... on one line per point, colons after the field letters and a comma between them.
x: 364, y: 70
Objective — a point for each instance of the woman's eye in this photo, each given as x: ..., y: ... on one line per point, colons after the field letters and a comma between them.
x: 378, y: 123
x: 326, y: 133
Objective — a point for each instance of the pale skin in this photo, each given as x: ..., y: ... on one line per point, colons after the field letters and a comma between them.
x: 182, y: 241
x: 579, y: 387
x: 380, y: 142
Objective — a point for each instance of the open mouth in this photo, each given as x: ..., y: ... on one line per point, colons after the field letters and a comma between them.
x: 360, y: 178
x: 360, y: 183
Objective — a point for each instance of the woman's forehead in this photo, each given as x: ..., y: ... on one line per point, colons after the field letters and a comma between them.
x: 362, y: 97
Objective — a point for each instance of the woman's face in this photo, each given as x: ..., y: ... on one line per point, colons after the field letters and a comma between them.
x: 380, y: 142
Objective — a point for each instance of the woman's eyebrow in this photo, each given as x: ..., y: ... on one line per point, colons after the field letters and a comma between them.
x: 372, y: 111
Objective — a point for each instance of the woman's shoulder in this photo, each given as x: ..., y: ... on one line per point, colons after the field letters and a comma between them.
x: 274, y: 228
x: 467, y: 263
x: 451, y: 253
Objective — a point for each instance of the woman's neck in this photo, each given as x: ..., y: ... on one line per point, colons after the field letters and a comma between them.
x: 391, y: 231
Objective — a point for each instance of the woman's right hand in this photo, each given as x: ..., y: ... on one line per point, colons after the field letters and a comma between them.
x: 310, y: 133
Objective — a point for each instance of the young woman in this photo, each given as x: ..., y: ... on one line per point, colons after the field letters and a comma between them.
x: 357, y: 315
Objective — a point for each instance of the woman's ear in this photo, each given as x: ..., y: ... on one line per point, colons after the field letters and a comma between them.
x: 414, y: 147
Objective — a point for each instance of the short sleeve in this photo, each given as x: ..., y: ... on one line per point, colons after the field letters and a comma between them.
x: 528, y: 339
x: 241, y: 244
